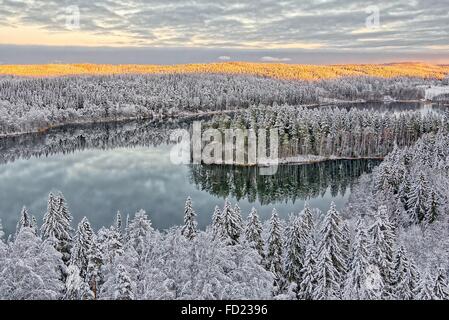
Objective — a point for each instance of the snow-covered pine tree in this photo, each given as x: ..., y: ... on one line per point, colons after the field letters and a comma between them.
x: 273, y: 256
x: 331, y: 264
x: 232, y: 222
x: 31, y: 270
x: 118, y: 222
x: 123, y: 285
x: 94, y: 276
x: 33, y: 225
x: 82, y: 247
x: 76, y: 288
x: 381, y: 247
x: 308, y: 273
x: 189, y: 229
x: 355, y: 286
x: 418, y: 199
x: 138, y: 231
x: 2, y: 233
x: 24, y: 220
x: 433, y: 207
x: 308, y: 226
x: 217, y: 224
x: 56, y: 225
x: 424, y: 290
x: 294, y: 255
x: 440, y: 285
x: 253, y: 232
x: 405, y: 277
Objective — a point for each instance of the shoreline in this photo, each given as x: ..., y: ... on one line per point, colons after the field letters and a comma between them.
x: 186, y: 116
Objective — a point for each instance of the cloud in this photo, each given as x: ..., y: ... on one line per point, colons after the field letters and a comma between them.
x: 269, y: 24
x: 224, y: 58
x: 274, y: 59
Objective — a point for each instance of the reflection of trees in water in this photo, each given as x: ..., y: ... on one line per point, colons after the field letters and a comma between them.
x: 72, y: 138
x: 291, y: 182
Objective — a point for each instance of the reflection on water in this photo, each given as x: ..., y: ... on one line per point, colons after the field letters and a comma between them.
x: 125, y: 166
x: 290, y: 183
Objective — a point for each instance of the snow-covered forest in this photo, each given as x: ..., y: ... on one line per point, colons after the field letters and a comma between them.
x: 33, y: 104
x: 389, y: 242
x: 334, y: 132
x: 310, y: 256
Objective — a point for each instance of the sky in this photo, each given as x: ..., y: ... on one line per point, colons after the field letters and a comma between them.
x: 173, y: 31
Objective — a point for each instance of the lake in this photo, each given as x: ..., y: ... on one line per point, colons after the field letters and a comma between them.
x: 109, y: 167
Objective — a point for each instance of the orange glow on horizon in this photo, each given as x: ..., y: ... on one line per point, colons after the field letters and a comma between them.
x: 273, y: 70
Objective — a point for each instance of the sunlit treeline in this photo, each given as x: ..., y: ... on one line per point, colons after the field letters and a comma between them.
x: 279, y: 71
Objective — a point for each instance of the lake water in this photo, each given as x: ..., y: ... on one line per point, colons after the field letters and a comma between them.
x: 104, y: 168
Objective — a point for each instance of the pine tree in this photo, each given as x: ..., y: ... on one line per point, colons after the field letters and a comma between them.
x: 24, y: 221
x: 2, y: 233
x: 274, y: 252
x: 405, y: 276
x: 217, y: 224
x: 94, y: 276
x: 381, y: 246
x: 356, y: 282
x: 331, y: 264
x: 295, y: 254
x: 433, y: 207
x: 82, y: 247
x: 253, y: 232
x: 232, y: 222
x: 308, y: 273
x: 33, y: 225
x: 76, y: 288
x: 424, y: 290
x: 189, y: 229
x: 440, y: 286
x: 138, y: 231
x: 307, y: 224
x: 118, y: 222
x: 31, y: 269
x: 123, y: 285
x: 418, y: 199
x: 56, y: 225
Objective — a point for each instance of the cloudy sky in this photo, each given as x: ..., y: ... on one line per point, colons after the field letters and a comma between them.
x: 411, y: 29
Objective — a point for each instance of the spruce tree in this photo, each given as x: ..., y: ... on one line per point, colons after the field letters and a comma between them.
x: 381, y: 246
x: 82, y: 247
x: 440, y: 286
x: 217, y: 224
x: 405, y: 276
x: 24, y: 221
x: 294, y: 254
x: 424, y: 290
x: 253, y: 232
x: 118, y: 222
x: 308, y: 273
x: 189, y: 229
x: 274, y: 252
x: 331, y: 264
x: 94, y: 276
x: 123, y: 285
x: 418, y: 200
x: 232, y: 222
x: 356, y: 281
x: 2, y: 233
x: 138, y: 231
x: 76, y: 287
x: 56, y: 225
